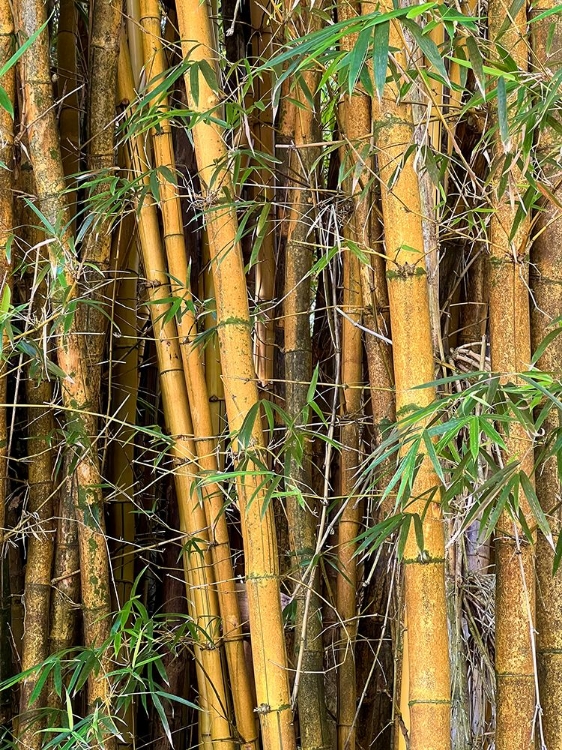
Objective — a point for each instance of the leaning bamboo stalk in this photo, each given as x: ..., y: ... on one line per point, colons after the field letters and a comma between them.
x: 178, y: 418
x: 428, y: 661
x: 46, y: 159
x: 510, y: 351
x: 206, y: 444
x: 241, y: 393
x: 546, y: 282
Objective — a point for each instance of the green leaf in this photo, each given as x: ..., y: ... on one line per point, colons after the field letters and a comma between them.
x: 24, y: 47
x: 39, y: 685
x: 477, y: 63
x: 542, y: 347
x: 502, y: 112
x: 403, y: 536
x: 474, y: 437
x: 356, y: 58
x: 557, y: 555
x: 5, y: 102
x: 194, y: 82
x: 512, y: 13
x: 380, y: 55
x: 534, y: 504
x: 418, y: 529
x: 428, y: 47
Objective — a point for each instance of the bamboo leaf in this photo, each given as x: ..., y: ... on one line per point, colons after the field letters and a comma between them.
x: 557, y: 555
x: 535, y: 505
x: 357, y: 58
x: 502, y: 113
x: 512, y: 12
x: 474, y: 437
x: 545, y: 343
x: 418, y: 529
x: 23, y: 48
x: 428, y: 47
x: 5, y: 102
x: 380, y: 55
x: 403, y: 535
x: 477, y: 63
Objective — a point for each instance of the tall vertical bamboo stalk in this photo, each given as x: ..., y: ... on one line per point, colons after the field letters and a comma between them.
x: 546, y: 281
x: 356, y: 129
x: 124, y: 358
x: 428, y: 660
x: 178, y: 417
x: 103, y: 52
x: 37, y: 591
x: 46, y: 159
x: 206, y: 444
x: 68, y: 92
x: 7, y: 82
x: 510, y: 352
x: 265, y: 267
x: 302, y: 506
x: 260, y: 548
x: 66, y: 564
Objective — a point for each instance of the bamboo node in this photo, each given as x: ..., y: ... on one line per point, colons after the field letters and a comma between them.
x: 262, y: 709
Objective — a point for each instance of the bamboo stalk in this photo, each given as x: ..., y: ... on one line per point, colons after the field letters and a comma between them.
x: 40, y: 548
x: 546, y: 282
x: 427, y: 654
x: 124, y: 402
x: 46, y: 159
x: 206, y: 445
x: 264, y: 338
x: 241, y: 394
x: 510, y: 351
x: 68, y: 91
x: 7, y: 82
x: 178, y: 418
x: 356, y: 128
x: 302, y: 506
x: 103, y: 52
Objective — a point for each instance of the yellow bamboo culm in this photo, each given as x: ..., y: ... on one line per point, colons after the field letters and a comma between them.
x: 429, y: 707
x: 264, y: 338
x: 546, y: 283
x: 510, y: 352
x: 206, y: 444
x: 241, y: 393
x: 7, y: 82
x: 45, y: 156
x: 178, y: 418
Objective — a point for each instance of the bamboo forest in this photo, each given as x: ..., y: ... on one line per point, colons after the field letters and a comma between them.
x: 281, y: 374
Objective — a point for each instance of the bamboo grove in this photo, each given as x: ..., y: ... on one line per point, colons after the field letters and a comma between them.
x: 280, y: 380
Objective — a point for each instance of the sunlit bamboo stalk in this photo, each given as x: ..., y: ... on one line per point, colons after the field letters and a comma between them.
x: 427, y: 656
x: 178, y: 418
x: 546, y: 283
x: 261, y: 560
x: 510, y: 351
x: 46, y: 159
